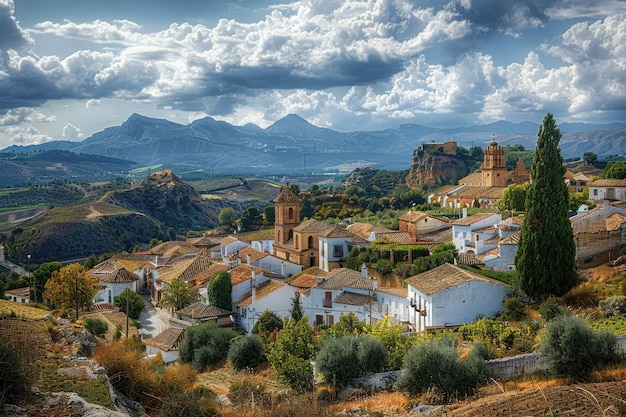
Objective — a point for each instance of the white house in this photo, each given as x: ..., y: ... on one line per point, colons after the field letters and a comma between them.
x: 449, y: 295
x: 243, y: 278
x: 19, y: 295
x: 263, y: 245
x: 470, y: 233
x: 270, y: 295
x: 395, y: 302
x: 269, y: 262
x: 505, y: 258
x: 342, y: 291
x: 116, y: 283
x: 201, y: 312
x: 608, y: 189
x: 166, y: 343
x: 334, y: 246
x: 230, y: 245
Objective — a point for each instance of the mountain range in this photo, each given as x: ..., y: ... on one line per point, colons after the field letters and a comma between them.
x: 294, y: 145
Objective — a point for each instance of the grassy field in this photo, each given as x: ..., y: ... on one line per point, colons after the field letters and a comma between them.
x: 7, y: 308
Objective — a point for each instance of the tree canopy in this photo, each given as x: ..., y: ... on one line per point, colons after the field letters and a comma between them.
x: 135, y: 303
x: 616, y: 170
x: 71, y: 289
x: 545, y: 258
x: 177, y: 295
x: 41, y: 276
x: 219, y: 291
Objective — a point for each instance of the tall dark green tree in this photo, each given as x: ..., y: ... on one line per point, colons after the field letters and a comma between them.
x: 219, y: 291
x: 545, y: 258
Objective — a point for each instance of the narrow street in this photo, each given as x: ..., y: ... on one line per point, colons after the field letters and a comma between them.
x: 153, y: 320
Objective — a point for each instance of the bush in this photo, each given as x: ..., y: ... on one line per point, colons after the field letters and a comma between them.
x: 247, y: 394
x: 267, y: 322
x: 371, y: 354
x: 574, y: 350
x: 96, y: 326
x: 551, y: 308
x: 135, y: 303
x: 245, y: 352
x: 297, y: 373
x: 613, y: 306
x: 436, y: 365
x: 514, y: 309
x: 205, y: 344
x: 336, y: 360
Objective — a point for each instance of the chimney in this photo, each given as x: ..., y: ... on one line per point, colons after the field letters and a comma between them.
x: 374, y: 284
x: 253, y: 295
x: 364, y: 270
x: 464, y: 213
x: 249, y: 259
x: 282, y: 268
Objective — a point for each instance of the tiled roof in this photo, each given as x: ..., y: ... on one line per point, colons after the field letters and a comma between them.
x: 105, y: 267
x: 105, y: 307
x: 262, y: 290
x: 413, y: 216
x: 468, y: 259
x: 206, y: 241
x: 493, y: 239
x: 121, y: 276
x: 209, y: 273
x: 475, y: 178
x: 354, y: 299
x: 472, y: 192
x: 469, y: 220
x: 608, y: 183
x: 23, y: 292
x: 305, y: 281
x: 242, y: 273
x: 287, y: 196
x: 255, y: 254
x: 174, y: 247
x: 336, y: 232
x: 364, y: 230
x: 614, y: 221
x: 397, y: 291
x: 402, y: 238
x: 313, y: 226
x: 168, y: 340
x: 511, y: 239
x: 340, y: 278
x: 443, y: 277
x: 202, y: 311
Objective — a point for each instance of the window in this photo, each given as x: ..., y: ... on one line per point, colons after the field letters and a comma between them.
x: 319, y: 319
x: 338, y: 251
x: 595, y: 192
x: 328, y: 299
x: 310, y: 241
x: 290, y: 213
x: 477, y: 238
x: 330, y: 319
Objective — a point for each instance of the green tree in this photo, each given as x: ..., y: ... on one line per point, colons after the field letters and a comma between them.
x: 135, y: 303
x: 249, y: 217
x: 219, y: 291
x: 71, y: 289
x: 590, y: 158
x: 337, y: 360
x: 616, y: 170
x: 245, y: 352
x: 227, y: 216
x: 269, y: 214
x: 205, y: 344
x: 348, y: 324
x: 296, y: 307
x: 267, y: 322
x: 545, y: 258
x: 514, y: 197
x: 176, y: 295
x: 41, y: 276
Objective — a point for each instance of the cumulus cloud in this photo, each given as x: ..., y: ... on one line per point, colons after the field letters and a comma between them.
x: 71, y: 132
x: 11, y: 34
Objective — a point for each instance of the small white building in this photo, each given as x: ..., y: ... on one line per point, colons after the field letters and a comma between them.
x: 116, y: 283
x: 470, y: 233
x: 450, y: 296
x: 505, y: 255
x: 269, y: 262
x: 166, y: 343
x: 335, y: 246
x: 19, y: 295
x: 270, y: 295
x: 344, y: 290
x: 608, y: 189
x: 396, y: 302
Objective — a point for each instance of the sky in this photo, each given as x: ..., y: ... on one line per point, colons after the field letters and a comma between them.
x: 71, y: 68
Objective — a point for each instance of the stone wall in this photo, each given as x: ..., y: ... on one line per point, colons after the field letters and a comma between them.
x: 593, y: 248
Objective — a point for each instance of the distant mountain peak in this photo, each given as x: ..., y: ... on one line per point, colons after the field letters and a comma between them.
x: 291, y: 123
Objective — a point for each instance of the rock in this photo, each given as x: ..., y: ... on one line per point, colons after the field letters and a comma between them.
x: 430, y: 169
x: 425, y: 409
x: 87, y: 342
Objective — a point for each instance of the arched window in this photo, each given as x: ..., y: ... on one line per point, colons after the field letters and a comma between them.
x: 290, y: 213
x: 310, y: 241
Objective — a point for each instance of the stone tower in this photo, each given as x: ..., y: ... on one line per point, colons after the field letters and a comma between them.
x: 287, y: 207
x: 493, y: 167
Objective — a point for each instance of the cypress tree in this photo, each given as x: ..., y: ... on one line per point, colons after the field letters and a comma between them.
x: 545, y: 257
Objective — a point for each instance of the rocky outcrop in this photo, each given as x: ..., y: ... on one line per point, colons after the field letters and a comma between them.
x: 432, y: 169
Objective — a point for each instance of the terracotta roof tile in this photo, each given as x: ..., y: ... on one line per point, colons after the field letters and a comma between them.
x: 305, y: 281
x: 397, y: 291
x: 202, y: 311
x: 168, y: 340
x: 608, y: 183
x: 365, y: 229
x: 255, y: 254
x: 262, y: 290
x: 614, y: 221
x: 354, y: 299
x: 340, y: 278
x: 511, y: 239
x: 287, y: 196
x: 313, y: 226
x: 121, y: 276
x: 174, y: 247
x: 402, y: 238
x: 443, y: 277
x: 242, y: 273
x: 469, y: 220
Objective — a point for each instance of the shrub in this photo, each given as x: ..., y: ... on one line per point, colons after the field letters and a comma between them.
x: 245, y: 352
x: 205, y: 344
x: 436, y: 365
x: 336, y: 360
x: 613, y: 306
x: 192, y: 402
x: 514, y: 309
x: 551, y: 308
x: 383, y: 266
x: 135, y: 303
x: 267, y: 322
x: 248, y: 394
x: 96, y: 326
x: 371, y: 354
x: 297, y: 373
x: 574, y: 350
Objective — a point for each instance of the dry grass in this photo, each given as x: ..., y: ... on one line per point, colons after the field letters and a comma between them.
x: 21, y: 310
